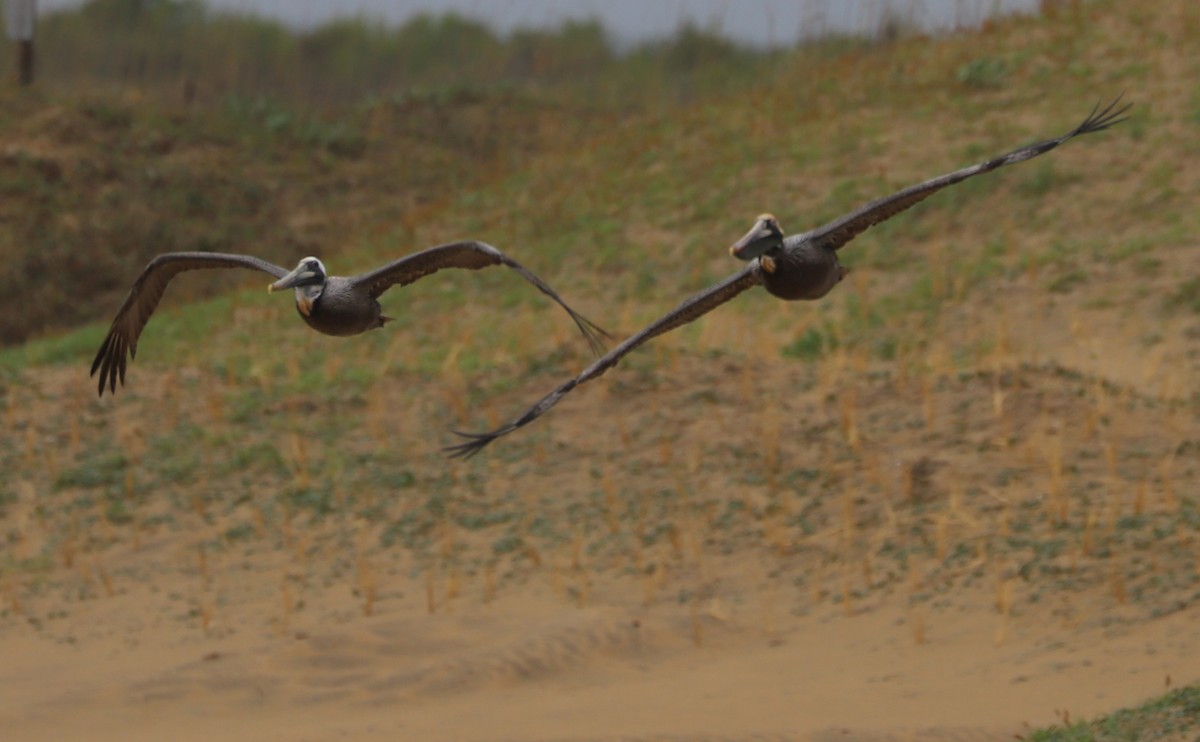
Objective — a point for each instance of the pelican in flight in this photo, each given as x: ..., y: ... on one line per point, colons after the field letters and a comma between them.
x: 332, y: 305
x: 800, y: 267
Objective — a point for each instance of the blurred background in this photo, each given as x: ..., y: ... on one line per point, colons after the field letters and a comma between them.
x: 324, y: 53
x: 336, y: 76
x: 960, y: 491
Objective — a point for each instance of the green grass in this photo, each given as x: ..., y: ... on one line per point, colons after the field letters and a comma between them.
x: 1186, y: 296
x: 1174, y: 716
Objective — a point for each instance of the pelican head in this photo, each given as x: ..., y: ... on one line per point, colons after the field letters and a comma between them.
x: 763, y: 237
x: 310, y: 272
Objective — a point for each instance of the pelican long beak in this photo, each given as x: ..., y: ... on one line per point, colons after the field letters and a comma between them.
x: 291, y: 280
x: 762, y: 237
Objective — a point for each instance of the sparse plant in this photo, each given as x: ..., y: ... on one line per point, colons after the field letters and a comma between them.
x: 982, y: 73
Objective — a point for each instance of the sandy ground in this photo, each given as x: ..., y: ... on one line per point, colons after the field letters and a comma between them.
x: 534, y: 666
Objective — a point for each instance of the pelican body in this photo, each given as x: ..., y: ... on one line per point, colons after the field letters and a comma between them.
x: 794, y: 268
x: 332, y: 305
x: 800, y: 267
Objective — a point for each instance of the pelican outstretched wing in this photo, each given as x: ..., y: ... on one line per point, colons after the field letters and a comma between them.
x: 840, y: 231
x: 690, y: 310
x: 470, y: 255
x: 139, y: 304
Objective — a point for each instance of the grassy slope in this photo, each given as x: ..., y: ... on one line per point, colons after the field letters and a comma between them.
x: 128, y: 179
x: 1170, y: 717
x: 1002, y: 397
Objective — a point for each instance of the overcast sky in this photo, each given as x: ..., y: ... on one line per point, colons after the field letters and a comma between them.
x: 750, y: 21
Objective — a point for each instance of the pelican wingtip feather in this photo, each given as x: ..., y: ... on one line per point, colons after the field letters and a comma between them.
x: 1099, y: 120
x: 474, y: 444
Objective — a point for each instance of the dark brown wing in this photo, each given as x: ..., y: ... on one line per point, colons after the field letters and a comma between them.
x: 143, y: 298
x: 840, y: 231
x: 473, y: 256
x: 690, y: 310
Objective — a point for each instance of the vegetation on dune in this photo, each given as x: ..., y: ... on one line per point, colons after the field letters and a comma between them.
x: 229, y: 133
x: 1001, y: 398
x: 1171, y: 717
x: 93, y: 187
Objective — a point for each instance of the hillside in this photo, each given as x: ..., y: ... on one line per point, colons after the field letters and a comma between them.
x: 957, y: 498
x: 95, y: 186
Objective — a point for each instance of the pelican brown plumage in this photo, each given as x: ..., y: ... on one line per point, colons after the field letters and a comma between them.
x: 332, y: 305
x: 800, y: 267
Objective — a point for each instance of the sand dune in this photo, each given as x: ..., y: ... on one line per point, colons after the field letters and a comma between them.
x: 531, y: 667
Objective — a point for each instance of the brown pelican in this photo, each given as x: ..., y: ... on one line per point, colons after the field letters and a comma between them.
x: 329, y: 304
x: 802, y: 266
